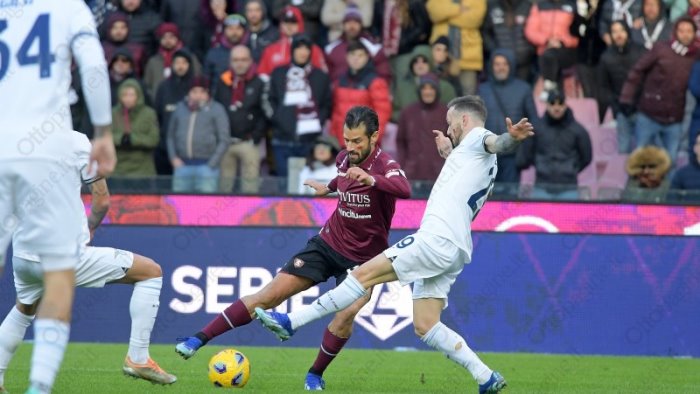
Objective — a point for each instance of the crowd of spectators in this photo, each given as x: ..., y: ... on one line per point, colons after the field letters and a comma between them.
x: 220, y: 94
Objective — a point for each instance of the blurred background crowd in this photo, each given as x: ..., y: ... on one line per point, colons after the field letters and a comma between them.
x: 249, y: 97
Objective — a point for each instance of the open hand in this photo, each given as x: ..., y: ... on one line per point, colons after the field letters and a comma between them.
x: 520, y: 130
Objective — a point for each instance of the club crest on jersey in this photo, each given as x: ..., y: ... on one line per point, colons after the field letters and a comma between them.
x: 389, y: 311
x: 298, y: 263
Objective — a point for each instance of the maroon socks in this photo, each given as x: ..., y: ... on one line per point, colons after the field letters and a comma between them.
x: 236, y: 315
x: 330, y: 347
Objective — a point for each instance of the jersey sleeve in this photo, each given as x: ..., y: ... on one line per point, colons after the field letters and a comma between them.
x: 339, y: 161
x: 476, y: 142
x: 393, y: 181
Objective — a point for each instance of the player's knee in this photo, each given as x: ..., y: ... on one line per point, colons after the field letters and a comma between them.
x: 421, y: 327
x: 154, y: 270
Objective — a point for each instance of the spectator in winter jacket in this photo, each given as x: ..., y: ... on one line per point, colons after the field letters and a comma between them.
x: 217, y: 58
x: 615, y: 65
x: 240, y: 91
x: 300, y: 98
x: 560, y: 150
x: 261, y: 32
x: 143, y: 21
x: 402, y: 25
x: 116, y: 33
x: 334, y: 13
x: 506, y: 97
x: 461, y: 21
x: 171, y: 91
x: 135, y: 132
x: 415, y: 136
x: 320, y: 164
x: 547, y: 28
x: 359, y: 86
x: 444, y: 65
x: 198, y: 137
x: 654, y: 26
x: 310, y: 10
x: 686, y: 183
x: 648, y: 180
x: 213, y: 14
x: 185, y: 14
x: 121, y: 67
x: 406, y: 88
x: 663, y: 75
x: 694, y: 131
x: 279, y: 53
x: 353, y: 31
x: 628, y: 12
x: 504, y: 27
x: 158, y: 66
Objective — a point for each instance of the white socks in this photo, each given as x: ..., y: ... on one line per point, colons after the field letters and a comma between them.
x: 455, y: 348
x: 50, y: 340
x: 143, y: 310
x: 333, y: 301
x: 12, y: 332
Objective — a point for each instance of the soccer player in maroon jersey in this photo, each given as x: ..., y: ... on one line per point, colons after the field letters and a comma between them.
x: 368, y: 183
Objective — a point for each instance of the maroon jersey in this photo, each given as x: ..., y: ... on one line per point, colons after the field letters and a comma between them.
x: 359, y: 227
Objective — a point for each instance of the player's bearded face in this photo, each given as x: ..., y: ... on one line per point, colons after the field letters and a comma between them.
x: 358, y: 144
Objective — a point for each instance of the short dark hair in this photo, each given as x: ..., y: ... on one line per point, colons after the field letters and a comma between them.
x: 354, y: 45
x: 361, y: 115
x: 471, y: 104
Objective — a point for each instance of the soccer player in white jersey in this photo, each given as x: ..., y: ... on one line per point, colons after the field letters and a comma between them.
x: 97, y: 267
x: 38, y: 41
x: 431, y: 258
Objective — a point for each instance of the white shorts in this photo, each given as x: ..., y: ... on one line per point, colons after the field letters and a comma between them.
x: 430, y: 262
x: 43, y: 196
x: 97, y: 267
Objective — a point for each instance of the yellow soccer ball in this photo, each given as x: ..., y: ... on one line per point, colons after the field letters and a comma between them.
x: 229, y: 368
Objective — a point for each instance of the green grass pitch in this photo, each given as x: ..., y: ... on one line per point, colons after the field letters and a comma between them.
x: 96, y: 368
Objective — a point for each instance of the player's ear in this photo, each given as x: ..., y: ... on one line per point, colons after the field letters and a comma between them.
x: 374, y: 137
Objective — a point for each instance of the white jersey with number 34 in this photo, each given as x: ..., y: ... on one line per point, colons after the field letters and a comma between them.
x: 461, y: 189
x: 38, y: 39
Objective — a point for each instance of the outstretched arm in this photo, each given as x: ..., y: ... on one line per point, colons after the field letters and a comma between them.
x: 507, y: 142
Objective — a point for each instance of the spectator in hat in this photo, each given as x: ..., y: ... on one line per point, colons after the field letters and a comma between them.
x: 240, y: 91
x: 309, y: 10
x: 143, y: 21
x: 353, y: 31
x: 279, y: 53
x: 158, y: 66
x: 300, y: 99
x: 198, y: 137
x: 359, y: 86
x: 415, y: 135
x: 213, y: 14
x: 217, y: 59
x: 461, y: 19
x: 335, y: 13
x: 261, y: 31
x: 116, y: 36
x: 170, y: 92
x: 444, y: 65
x: 505, y: 95
x: 406, y: 87
x: 320, y: 163
x: 121, y: 67
x: 560, y: 150
x: 648, y: 169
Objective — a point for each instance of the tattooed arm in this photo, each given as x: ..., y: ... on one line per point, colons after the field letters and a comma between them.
x: 507, y: 142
